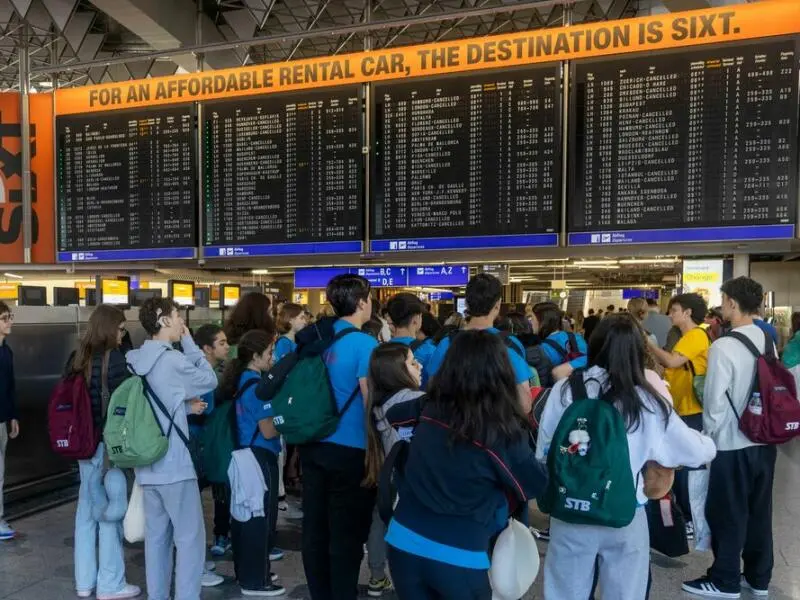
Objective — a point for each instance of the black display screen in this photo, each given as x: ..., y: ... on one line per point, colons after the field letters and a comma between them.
x: 691, y: 139
x: 472, y: 155
x: 126, y: 180
x: 284, y: 168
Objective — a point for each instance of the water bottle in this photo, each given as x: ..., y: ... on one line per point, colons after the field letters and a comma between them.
x: 754, y: 406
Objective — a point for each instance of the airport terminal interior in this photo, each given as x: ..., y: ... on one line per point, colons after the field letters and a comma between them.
x: 584, y: 152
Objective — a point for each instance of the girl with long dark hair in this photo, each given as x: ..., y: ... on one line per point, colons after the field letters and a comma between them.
x: 103, y: 366
x: 251, y: 312
x: 616, y: 373
x: 394, y: 379
x: 471, y: 450
x: 251, y: 539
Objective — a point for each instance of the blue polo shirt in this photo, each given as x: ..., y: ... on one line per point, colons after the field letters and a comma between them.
x: 767, y: 328
x: 423, y: 353
x: 348, y: 361
x: 283, y: 347
x: 249, y: 411
x: 561, y: 338
x: 522, y: 372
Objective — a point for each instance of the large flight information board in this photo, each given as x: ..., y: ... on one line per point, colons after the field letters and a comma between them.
x: 468, y: 162
x: 283, y: 174
x: 687, y: 146
x: 126, y: 185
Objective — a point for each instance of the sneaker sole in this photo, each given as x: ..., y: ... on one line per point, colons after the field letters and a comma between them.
x: 379, y: 594
x: 754, y: 591
x: 255, y: 593
x: 120, y: 597
x: 705, y: 594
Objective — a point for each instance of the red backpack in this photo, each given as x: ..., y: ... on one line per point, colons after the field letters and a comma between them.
x: 772, y: 414
x: 70, y: 421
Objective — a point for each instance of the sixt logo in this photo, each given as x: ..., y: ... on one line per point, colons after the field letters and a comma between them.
x: 579, y: 505
x: 11, y: 196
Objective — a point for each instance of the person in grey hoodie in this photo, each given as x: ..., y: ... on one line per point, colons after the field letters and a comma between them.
x: 395, y: 405
x: 172, y: 505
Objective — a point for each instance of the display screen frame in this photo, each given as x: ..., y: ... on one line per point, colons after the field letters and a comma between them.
x: 172, y: 283
x: 103, y: 297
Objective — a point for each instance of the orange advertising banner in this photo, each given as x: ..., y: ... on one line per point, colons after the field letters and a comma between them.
x: 42, y: 173
x: 657, y: 32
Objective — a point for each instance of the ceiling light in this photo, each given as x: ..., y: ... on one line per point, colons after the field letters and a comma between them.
x: 587, y: 263
x: 585, y: 266
x: 259, y: 272
x: 648, y: 261
x: 12, y: 276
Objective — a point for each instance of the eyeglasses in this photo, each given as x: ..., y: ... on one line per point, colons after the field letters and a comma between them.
x: 7, y: 318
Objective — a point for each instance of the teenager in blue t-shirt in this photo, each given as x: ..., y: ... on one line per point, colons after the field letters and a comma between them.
x: 255, y: 430
x: 406, y: 310
x: 337, y: 509
x: 549, y: 324
x: 484, y: 294
x: 292, y: 318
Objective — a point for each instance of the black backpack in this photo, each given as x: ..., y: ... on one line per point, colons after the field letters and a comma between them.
x: 537, y: 358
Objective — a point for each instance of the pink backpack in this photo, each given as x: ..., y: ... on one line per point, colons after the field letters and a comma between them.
x: 772, y: 414
x: 70, y: 422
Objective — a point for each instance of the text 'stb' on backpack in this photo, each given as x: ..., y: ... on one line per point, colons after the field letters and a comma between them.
x: 772, y: 414
x: 305, y: 404
x: 70, y: 422
x: 589, y: 464
x: 133, y: 434
x: 220, y: 438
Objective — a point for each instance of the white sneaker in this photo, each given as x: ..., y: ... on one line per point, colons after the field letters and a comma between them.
x: 211, y: 580
x: 129, y: 591
x: 755, y: 591
x: 84, y: 593
x: 210, y: 566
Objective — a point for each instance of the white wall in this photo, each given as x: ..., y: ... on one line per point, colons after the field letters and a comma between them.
x: 783, y: 278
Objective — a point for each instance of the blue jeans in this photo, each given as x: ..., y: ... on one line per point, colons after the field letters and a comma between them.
x: 417, y: 578
x: 109, y: 578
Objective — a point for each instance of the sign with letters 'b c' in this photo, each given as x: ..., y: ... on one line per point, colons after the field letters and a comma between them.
x: 41, y: 135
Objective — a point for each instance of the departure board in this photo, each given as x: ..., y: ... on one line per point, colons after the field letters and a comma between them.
x: 126, y: 185
x: 467, y: 162
x: 686, y: 146
x: 283, y: 174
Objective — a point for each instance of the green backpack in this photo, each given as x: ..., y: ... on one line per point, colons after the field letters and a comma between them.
x: 302, y: 396
x: 220, y: 437
x: 132, y: 433
x: 590, y: 476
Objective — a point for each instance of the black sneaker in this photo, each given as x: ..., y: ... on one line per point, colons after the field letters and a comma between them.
x: 758, y: 592
x: 378, y: 587
x: 708, y: 589
x: 268, y: 591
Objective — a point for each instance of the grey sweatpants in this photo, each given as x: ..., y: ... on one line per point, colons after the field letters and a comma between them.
x: 622, y: 555
x: 376, y: 546
x: 174, y: 515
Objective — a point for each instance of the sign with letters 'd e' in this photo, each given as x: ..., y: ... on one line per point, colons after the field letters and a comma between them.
x: 704, y: 277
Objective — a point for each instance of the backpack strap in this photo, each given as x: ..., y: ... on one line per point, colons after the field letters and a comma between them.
x: 751, y: 347
x: 353, y: 395
x: 572, y: 342
x: 396, y: 460
x: 415, y: 345
x: 554, y: 345
x: 577, y: 386
x: 508, y: 340
x: 149, y: 393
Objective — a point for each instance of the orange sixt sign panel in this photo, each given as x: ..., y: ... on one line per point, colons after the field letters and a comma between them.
x: 658, y: 32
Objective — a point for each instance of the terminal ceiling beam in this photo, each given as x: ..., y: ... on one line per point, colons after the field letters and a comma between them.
x: 166, y: 25
x: 210, y: 49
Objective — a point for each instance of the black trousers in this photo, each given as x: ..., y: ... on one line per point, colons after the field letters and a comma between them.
x: 417, y: 578
x: 680, y: 488
x: 739, y: 514
x: 337, y: 513
x: 222, y: 509
x: 251, y: 539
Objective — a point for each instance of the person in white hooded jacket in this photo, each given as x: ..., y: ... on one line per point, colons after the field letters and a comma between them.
x: 172, y: 505
x: 655, y: 433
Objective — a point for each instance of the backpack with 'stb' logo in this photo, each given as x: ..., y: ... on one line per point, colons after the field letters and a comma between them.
x: 589, y: 464
x: 772, y: 413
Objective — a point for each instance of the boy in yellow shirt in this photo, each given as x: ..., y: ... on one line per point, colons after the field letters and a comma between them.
x: 688, y: 358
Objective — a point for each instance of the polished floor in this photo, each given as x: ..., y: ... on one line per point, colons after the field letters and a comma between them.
x: 38, y: 565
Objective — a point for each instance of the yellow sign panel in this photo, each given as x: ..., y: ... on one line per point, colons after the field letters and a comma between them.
x: 655, y: 32
x: 115, y: 291
x: 183, y: 293
x: 231, y: 296
x: 9, y: 291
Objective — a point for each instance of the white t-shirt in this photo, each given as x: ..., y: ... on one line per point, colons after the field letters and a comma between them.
x: 671, y: 445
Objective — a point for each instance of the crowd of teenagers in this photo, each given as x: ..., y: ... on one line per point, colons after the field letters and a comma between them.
x: 435, y: 438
